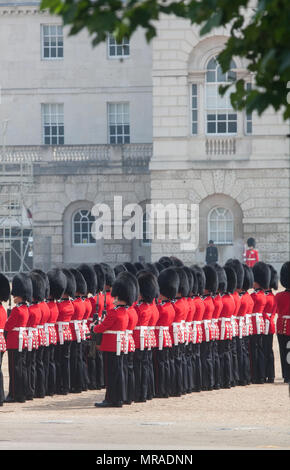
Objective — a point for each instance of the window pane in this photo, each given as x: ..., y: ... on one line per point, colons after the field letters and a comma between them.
x: 211, y: 127
x: 232, y: 127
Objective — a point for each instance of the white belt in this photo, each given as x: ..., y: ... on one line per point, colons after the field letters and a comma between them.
x: 258, y: 321
x: 223, y: 326
x: 142, y: 329
x: 76, y: 324
x: 206, y: 329
x: 21, y: 329
x: 287, y: 317
x: 30, y: 337
x: 60, y: 325
x: 250, y: 259
x: 176, y: 326
x: 40, y: 327
x: 241, y: 326
x: 160, y: 339
x: 119, y: 335
x: 1, y: 331
x: 188, y: 324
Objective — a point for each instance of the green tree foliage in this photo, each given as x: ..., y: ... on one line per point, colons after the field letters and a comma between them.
x: 259, y: 33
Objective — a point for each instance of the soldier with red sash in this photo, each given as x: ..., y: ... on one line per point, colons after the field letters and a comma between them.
x: 149, y: 290
x: 16, y: 338
x: 4, y: 297
x: 218, y: 305
x: 226, y: 328
x: 101, y: 308
x: 262, y: 275
x: 57, y: 285
x: 76, y: 352
x: 211, y: 285
x: 198, y: 292
x: 152, y: 343
x: 251, y: 255
x: 269, y: 315
x: 283, y: 321
x: 34, y: 359
x: 64, y: 336
x: 168, y: 282
x: 113, y: 329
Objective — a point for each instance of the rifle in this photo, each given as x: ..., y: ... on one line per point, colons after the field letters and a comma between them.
x: 96, y: 338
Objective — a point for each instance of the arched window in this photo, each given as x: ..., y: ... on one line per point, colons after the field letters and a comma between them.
x: 81, y: 228
x: 220, y: 116
x: 221, y: 226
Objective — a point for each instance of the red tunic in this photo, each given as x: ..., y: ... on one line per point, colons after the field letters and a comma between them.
x: 198, y: 317
x: 53, y: 308
x: 87, y: 316
x: 152, y: 325
x: 113, y: 328
x: 109, y: 301
x: 189, y: 320
x: 99, y: 303
x: 207, y: 331
x: 76, y: 319
x: 241, y: 317
x: 283, y: 311
x: 218, y: 305
x: 237, y: 299
x: 166, y: 317
x: 65, y: 313
x: 269, y: 313
x: 3, y: 319
x: 144, y: 312
x: 132, y: 322
x: 259, y: 299
x: 251, y: 257
x: 33, y: 321
x: 177, y: 328
x: 17, y: 319
x: 43, y: 325
x: 225, y: 320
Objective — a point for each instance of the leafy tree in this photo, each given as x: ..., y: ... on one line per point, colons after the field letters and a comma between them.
x: 259, y: 33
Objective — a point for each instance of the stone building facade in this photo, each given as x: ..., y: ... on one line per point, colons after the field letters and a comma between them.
x: 144, y: 124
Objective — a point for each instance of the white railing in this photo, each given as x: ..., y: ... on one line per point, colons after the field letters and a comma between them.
x: 220, y: 146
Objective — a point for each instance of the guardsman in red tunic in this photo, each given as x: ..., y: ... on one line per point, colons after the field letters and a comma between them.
x: 101, y: 309
x: 113, y: 328
x: 269, y: 315
x: 218, y: 305
x: 251, y: 255
x: 57, y: 286
x: 189, y: 329
x: 16, y: 338
x: 149, y: 290
x: 262, y: 275
x: 34, y: 359
x: 197, y: 328
x: 64, y: 336
x: 4, y: 297
x: 168, y: 282
x: 211, y: 285
x: 283, y: 321
x: 76, y: 352
x: 152, y: 345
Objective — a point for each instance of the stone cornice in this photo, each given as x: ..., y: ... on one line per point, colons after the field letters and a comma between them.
x: 22, y: 9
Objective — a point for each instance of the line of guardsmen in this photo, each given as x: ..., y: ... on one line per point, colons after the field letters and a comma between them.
x: 143, y: 331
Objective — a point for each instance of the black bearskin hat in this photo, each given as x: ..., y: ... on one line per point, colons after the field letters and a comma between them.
x: 119, y: 268
x: 168, y: 281
x: 22, y: 287
x: 81, y: 285
x: 165, y: 261
x: 124, y: 288
x: 70, y: 289
x: 231, y: 279
x: 159, y: 266
x: 150, y: 267
x: 274, y: 281
x: 251, y: 242
x: 195, y: 282
x: 44, y: 276
x: 90, y: 276
x: 109, y: 274
x: 57, y: 283
x: 130, y: 267
x: 285, y: 275
x: 38, y: 286
x: 100, y: 273
x: 262, y: 274
x: 211, y: 278
x: 139, y: 266
x: 4, y: 288
x: 200, y: 278
x: 148, y: 286
x: 131, y: 278
x: 238, y: 267
x: 176, y: 261
x: 183, y: 289
x: 222, y: 278
x: 248, y: 278
x: 190, y: 279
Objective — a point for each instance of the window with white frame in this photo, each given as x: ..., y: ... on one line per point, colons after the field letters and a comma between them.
x: 194, y: 109
x: 119, y: 123
x: 82, y: 223
x: 220, y: 116
x: 248, y: 123
x: 221, y: 226
x: 52, y: 41
x: 116, y: 49
x: 53, y: 123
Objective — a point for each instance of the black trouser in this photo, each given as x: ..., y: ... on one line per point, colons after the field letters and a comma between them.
x: 162, y: 372
x: 216, y: 364
x: 46, y: 354
x: 235, y: 365
x: 141, y: 372
x: 189, y: 367
x: 90, y: 351
x: 51, y: 377
x: 151, y: 380
x: 114, y: 377
x: 31, y: 373
x: 224, y: 347
x: 243, y: 360
x: 257, y: 358
x: 247, y: 356
x: 2, y: 395
x: 284, y: 349
x: 62, y: 362
x: 129, y: 377
x: 40, y: 373
x: 269, y: 356
x: 206, y: 365
x: 100, y: 383
x: 17, y: 374
x: 86, y: 380
x: 196, y: 368
x: 177, y: 385
x: 184, y: 368
x: 76, y: 367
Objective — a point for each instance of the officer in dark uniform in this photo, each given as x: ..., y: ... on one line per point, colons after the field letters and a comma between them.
x: 211, y: 253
